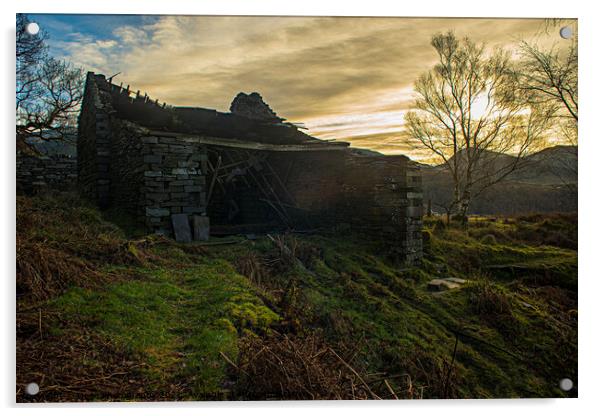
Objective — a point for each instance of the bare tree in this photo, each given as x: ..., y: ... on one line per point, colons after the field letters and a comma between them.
x: 30, y: 49
x: 48, y: 91
x: 549, y: 76
x: 468, y: 113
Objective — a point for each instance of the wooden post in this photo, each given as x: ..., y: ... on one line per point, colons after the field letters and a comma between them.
x: 219, y: 162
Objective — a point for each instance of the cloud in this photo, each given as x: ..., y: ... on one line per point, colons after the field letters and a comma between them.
x: 346, y: 78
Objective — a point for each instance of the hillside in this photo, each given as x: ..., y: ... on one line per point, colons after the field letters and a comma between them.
x: 108, y: 313
x: 545, y: 181
x: 50, y: 147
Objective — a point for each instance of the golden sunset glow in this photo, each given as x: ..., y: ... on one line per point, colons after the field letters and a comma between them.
x: 347, y: 79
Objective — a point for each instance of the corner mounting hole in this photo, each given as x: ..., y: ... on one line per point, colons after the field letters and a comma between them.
x: 566, y: 32
x: 32, y: 28
x: 566, y: 384
x: 32, y: 389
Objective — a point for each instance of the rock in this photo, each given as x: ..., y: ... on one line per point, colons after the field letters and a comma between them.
x: 527, y: 305
x: 150, y: 140
x: 415, y: 212
x: 193, y: 188
x: 188, y: 164
x: 179, y: 171
x: 181, y: 228
x: 439, y: 285
x: 455, y: 280
x: 156, y: 212
x: 153, y: 159
x: 252, y: 106
x: 200, y: 226
x: 193, y: 210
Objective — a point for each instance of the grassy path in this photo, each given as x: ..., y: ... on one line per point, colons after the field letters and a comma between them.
x: 176, y: 320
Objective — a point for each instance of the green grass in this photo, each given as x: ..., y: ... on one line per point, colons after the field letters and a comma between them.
x: 356, y: 296
x: 177, y: 320
x: 179, y: 310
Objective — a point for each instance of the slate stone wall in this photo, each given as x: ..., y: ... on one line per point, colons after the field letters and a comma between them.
x: 37, y: 174
x: 94, y: 143
x: 174, y: 171
x: 126, y: 169
x: 383, y: 197
x: 380, y: 196
x: 120, y: 165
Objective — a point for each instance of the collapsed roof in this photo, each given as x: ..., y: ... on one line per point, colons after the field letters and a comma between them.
x: 250, y: 118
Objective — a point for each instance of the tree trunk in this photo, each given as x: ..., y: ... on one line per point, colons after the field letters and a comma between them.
x: 463, y: 209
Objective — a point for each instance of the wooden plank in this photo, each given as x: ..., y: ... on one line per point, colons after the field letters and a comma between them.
x: 243, y: 144
x: 215, y: 171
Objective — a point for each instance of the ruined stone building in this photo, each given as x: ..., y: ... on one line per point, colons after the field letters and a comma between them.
x: 245, y: 171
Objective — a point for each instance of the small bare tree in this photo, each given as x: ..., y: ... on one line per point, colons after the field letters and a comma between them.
x: 48, y: 91
x: 469, y: 114
x: 30, y: 49
x: 549, y: 76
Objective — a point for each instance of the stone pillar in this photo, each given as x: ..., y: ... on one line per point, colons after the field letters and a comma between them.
x: 93, y: 143
x: 382, y: 198
x: 412, y: 239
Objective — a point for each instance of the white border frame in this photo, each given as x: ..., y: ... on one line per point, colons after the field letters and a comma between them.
x: 590, y: 68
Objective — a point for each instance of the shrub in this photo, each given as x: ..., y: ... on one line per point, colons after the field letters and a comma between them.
x: 489, y: 300
x: 295, y: 368
x: 251, y: 265
x: 43, y: 272
x: 489, y: 239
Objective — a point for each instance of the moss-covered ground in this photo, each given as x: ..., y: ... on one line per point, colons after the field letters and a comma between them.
x: 106, y: 313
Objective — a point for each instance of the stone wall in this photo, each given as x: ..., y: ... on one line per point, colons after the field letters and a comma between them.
x: 380, y: 196
x: 39, y: 173
x: 174, y: 171
x: 126, y: 170
x: 94, y: 144
x: 383, y: 197
x: 120, y: 165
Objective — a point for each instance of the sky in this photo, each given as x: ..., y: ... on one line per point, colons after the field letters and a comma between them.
x: 348, y: 79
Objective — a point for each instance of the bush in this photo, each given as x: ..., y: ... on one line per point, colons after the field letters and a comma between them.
x: 488, y: 299
x: 439, y: 225
x: 293, y: 368
x: 489, y: 239
x: 43, y: 272
x: 251, y: 265
x: 62, y: 241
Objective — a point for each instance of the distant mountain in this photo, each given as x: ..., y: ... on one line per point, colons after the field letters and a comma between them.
x: 55, y: 147
x: 551, y: 165
x: 543, y: 181
x: 546, y: 165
